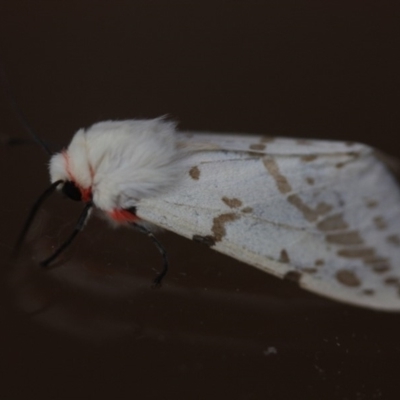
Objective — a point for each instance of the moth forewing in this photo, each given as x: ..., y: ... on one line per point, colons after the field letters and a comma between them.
x: 325, y: 214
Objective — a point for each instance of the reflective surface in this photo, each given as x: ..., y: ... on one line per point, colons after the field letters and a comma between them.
x: 92, y: 326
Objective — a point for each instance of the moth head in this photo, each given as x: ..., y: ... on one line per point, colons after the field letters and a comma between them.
x: 71, y: 190
x: 61, y: 178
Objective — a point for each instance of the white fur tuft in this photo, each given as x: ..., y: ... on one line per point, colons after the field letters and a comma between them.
x: 122, y: 161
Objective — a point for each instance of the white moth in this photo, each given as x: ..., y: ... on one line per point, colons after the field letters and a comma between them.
x: 325, y: 214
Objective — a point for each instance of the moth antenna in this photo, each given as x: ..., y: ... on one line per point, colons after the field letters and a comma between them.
x: 160, y: 247
x: 33, y: 212
x: 21, y: 116
x: 78, y: 227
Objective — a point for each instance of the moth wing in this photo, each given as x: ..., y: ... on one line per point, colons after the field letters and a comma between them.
x: 325, y: 214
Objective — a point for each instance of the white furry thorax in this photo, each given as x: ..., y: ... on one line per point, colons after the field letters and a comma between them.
x: 121, y: 162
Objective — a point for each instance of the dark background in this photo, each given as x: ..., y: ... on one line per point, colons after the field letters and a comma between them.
x: 93, y: 327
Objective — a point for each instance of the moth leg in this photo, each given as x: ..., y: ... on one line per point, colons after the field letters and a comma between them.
x: 78, y: 227
x: 160, y: 276
x: 33, y: 212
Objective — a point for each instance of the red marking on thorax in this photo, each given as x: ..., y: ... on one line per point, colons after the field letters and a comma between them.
x: 85, y: 192
x: 120, y: 215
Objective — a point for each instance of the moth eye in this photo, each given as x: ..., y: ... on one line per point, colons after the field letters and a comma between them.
x: 72, y: 191
x: 132, y: 210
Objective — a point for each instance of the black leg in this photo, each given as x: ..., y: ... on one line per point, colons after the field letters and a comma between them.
x: 160, y: 276
x: 80, y: 224
x: 33, y: 212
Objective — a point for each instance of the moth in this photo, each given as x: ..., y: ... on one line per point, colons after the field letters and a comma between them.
x: 325, y: 214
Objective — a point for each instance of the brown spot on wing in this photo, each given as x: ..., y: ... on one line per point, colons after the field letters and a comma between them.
x: 371, y: 203
x: 284, y: 257
x: 310, y: 180
x: 194, y: 173
x: 280, y: 180
x: 368, y: 292
x: 353, y: 154
x: 348, y: 278
x: 381, y: 269
x: 375, y: 260
x: 257, y: 146
x: 323, y: 208
x: 208, y: 240
x: 293, y: 276
x: 378, y: 264
x: 393, y: 239
x: 218, y: 228
x: 309, y: 157
x: 309, y: 214
x: 368, y: 256
x: 346, y: 238
x: 362, y: 252
x: 332, y: 223
x: 380, y: 223
x: 391, y: 280
x: 319, y: 262
x: 232, y: 203
x: 247, y: 210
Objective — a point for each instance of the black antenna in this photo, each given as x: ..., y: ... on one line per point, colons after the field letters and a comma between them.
x: 160, y: 276
x: 33, y: 212
x: 80, y: 224
x: 19, y: 113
